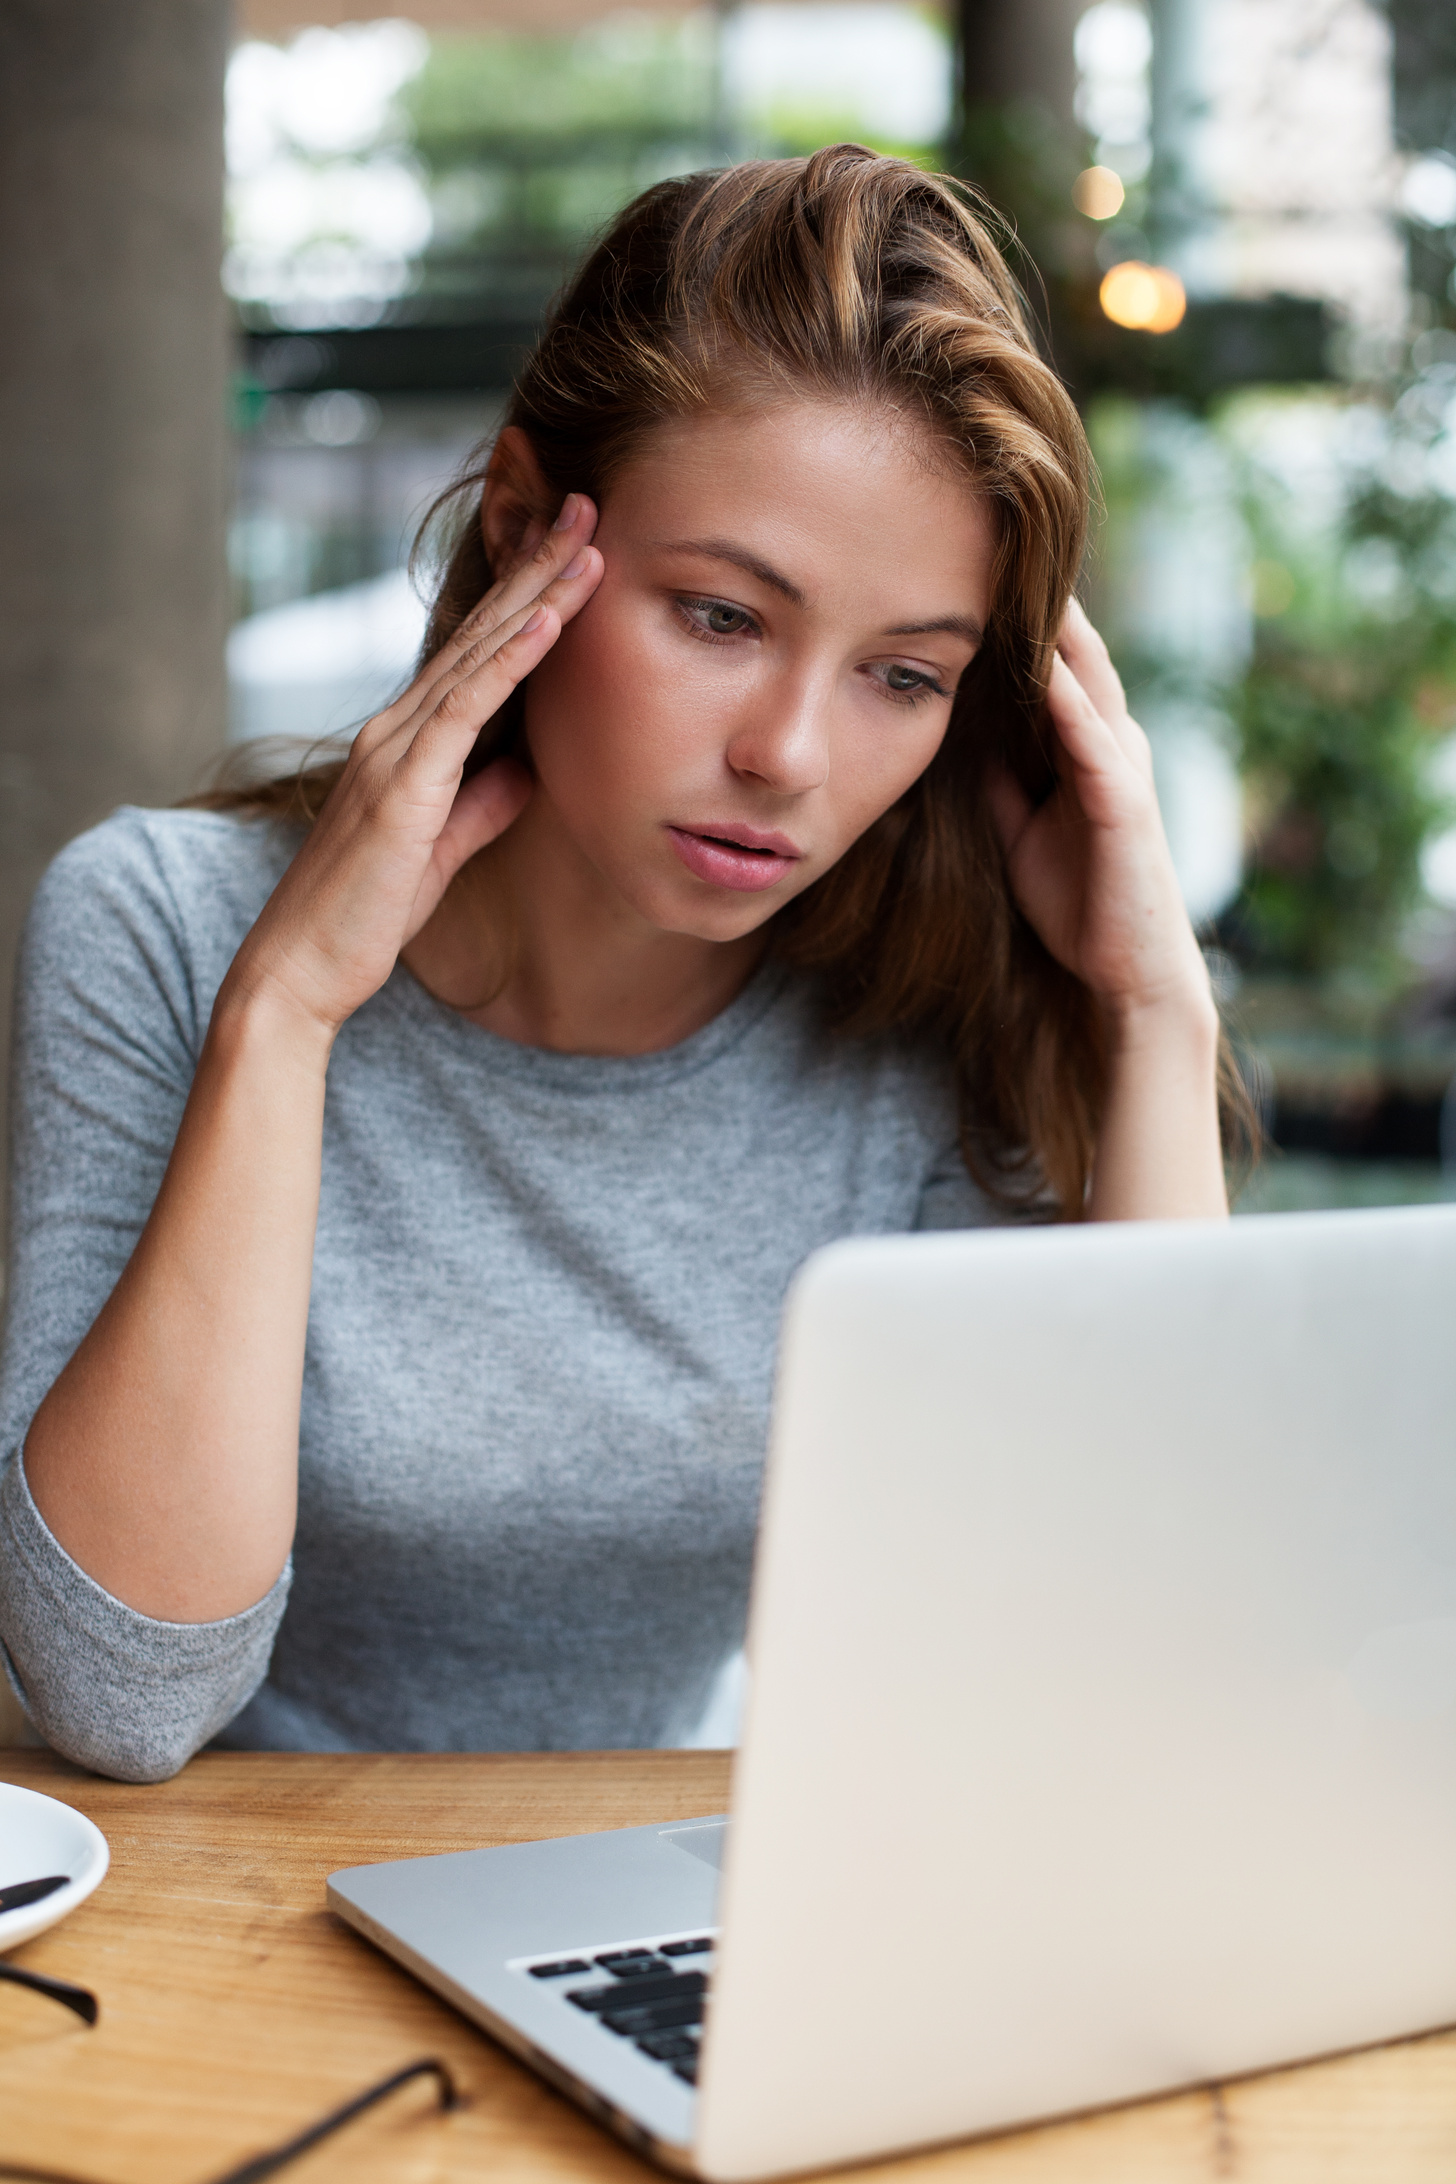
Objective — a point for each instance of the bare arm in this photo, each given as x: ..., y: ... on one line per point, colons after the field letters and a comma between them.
x: 1092, y: 871
x: 1159, y: 1156
x: 165, y: 1457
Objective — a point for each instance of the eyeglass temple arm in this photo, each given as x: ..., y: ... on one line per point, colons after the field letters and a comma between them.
x: 268, y: 2164
x: 79, y: 1999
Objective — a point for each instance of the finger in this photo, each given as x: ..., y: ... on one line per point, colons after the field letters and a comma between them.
x: 1107, y: 781
x: 1084, y: 651
x: 530, y: 573
x: 1085, y: 734
x: 567, y: 591
x: 514, y: 593
x: 391, y: 734
x: 566, y: 596
x: 434, y: 751
x: 485, y: 806
x: 465, y: 695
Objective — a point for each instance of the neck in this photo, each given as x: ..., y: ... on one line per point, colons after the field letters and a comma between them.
x: 531, y: 943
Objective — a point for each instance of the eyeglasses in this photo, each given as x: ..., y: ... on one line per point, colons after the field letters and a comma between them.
x: 266, y: 2164
x: 79, y: 1999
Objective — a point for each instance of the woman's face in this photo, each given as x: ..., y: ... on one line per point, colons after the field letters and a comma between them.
x: 789, y: 600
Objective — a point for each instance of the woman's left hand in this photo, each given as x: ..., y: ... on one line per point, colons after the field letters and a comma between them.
x: 1091, y: 871
x: 1090, y: 868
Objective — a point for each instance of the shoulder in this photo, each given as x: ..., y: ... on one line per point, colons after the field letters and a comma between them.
x: 199, y: 866
x: 149, y: 903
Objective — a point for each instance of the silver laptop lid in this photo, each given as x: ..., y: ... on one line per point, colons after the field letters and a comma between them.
x: 1102, y: 1731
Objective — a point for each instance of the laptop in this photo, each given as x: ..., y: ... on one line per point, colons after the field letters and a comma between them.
x: 1101, y: 1730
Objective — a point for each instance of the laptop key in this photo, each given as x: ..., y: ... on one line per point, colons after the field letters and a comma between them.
x: 669, y: 2047
x: 685, y: 1948
x: 656, y: 2017
x: 687, y: 2070
x: 671, y: 1986
x: 634, y: 1967
x: 612, y: 1958
x: 559, y: 1971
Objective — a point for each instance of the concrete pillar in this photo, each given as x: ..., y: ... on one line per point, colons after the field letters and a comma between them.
x: 1020, y: 50
x: 113, y: 460
x: 113, y: 457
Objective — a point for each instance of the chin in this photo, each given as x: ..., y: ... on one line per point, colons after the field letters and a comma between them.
x: 724, y: 929
x: 697, y: 917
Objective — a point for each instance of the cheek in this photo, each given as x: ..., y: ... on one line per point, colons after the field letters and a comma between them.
x: 616, y: 707
x: 878, y: 765
x: 584, y: 706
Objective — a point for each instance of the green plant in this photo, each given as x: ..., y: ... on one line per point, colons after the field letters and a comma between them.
x: 1351, y: 682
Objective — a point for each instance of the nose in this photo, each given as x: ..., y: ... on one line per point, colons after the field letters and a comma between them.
x: 784, y: 741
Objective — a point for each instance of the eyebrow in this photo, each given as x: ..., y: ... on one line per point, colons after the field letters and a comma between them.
x: 950, y: 625
x: 964, y: 626
x: 723, y: 549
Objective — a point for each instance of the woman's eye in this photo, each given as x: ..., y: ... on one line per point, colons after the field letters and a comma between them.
x: 716, y: 618
x: 910, y: 682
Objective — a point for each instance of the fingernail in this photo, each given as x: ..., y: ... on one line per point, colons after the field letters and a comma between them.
x: 574, y: 568
x: 535, y: 622
x: 570, y: 508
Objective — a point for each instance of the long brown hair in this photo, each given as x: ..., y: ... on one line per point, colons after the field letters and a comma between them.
x: 855, y: 277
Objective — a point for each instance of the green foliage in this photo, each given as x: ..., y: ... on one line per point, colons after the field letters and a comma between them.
x: 1351, y: 685
x: 1334, y: 762
x: 530, y: 144
x: 630, y: 81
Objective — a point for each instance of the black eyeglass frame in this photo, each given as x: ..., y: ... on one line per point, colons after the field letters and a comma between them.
x: 79, y: 1999
x: 273, y: 2158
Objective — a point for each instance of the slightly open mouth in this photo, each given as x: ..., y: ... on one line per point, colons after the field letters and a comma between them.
x: 722, y: 862
x: 740, y: 849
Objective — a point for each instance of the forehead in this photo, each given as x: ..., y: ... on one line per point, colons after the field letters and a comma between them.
x: 841, y: 488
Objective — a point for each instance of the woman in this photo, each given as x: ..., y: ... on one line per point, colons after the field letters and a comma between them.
x: 408, y: 1186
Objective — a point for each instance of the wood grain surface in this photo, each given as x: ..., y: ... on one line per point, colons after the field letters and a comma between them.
x: 236, y: 2008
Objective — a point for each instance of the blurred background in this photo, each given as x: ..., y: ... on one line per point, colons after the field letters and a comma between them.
x: 1236, y: 223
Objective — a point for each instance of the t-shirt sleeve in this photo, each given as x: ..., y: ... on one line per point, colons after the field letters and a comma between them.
x: 112, y: 1001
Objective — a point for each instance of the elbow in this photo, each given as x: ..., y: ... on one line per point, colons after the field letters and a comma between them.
x: 126, y: 1765
x: 114, y: 1690
x: 104, y: 1740
x: 126, y: 1758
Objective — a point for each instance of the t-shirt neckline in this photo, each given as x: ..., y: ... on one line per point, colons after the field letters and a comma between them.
x: 595, y: 1072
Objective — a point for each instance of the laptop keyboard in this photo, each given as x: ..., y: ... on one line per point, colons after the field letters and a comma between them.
x: 653, y: 1994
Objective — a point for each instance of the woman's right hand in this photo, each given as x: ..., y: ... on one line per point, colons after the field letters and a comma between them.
x: 165, y: 1457
x: 399, y: 824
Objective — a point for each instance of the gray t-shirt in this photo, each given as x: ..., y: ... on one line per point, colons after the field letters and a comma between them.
x: 545, y: 1300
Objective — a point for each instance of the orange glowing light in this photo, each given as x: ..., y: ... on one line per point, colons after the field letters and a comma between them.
x: 1147, y: 297
x: 1098, y: 192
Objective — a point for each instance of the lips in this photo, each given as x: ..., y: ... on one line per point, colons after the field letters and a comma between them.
x: 744, y: 858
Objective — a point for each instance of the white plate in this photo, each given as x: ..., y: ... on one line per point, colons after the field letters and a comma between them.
x: 37, y: 1837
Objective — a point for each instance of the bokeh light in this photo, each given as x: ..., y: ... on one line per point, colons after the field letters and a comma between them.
x: 1098, y: 192
x: 1147, y: 297
x: 1428, y: 190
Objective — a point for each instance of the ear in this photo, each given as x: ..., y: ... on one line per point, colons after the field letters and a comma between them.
x: 515, y: 496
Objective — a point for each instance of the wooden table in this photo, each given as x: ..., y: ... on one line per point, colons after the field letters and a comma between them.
x: 236, y: 2008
